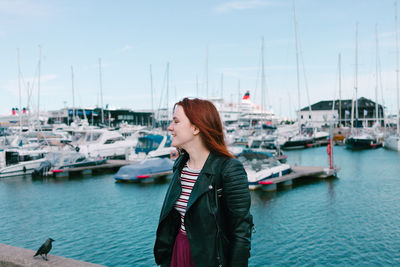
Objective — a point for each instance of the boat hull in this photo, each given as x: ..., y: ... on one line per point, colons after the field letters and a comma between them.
x: 392, y: 143
x: 275, y: 172
x: 358, y: 144
x: 22, y: 168
x: 146, y: 171
x: 297, y: 144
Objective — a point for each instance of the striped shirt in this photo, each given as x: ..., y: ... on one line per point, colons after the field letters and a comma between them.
x: 188, y: 179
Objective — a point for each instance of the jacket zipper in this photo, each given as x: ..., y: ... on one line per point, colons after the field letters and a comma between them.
x: 219, y: 262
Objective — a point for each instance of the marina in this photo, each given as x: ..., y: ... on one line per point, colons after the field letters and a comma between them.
x: 97, y: 102
x: 338, y: 221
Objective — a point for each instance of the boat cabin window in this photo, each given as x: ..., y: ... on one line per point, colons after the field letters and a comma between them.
x: 30, y: 157
x: 268, y: 145
x: 92, y: 137
x: 11, y: 157
x: 80, y: 159
x: 143, y: 143
x: 78, y: 136
x: 113, y: 140
x: 255, y: 144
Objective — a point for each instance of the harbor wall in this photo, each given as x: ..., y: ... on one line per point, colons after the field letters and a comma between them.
x: 20, y: 257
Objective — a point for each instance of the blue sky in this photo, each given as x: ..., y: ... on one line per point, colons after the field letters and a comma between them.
x: 129, y: 36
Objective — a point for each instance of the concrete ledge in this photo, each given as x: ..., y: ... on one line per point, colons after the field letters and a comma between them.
x: 21, y: 257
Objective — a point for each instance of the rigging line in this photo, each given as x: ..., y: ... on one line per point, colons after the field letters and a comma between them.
x: 162, y: 93
x: 381, y: 89
x: 258, y: 77
x: 336, y: 85
x: 29, y: 89
x: 305, y: 76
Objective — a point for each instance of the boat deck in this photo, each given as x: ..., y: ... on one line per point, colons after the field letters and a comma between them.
x: 112, y: 165
x: 298, y: 172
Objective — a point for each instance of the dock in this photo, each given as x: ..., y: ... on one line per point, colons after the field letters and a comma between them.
x: 318, y: 143
x: 111, y: 165
x: 18, y: 257
x: 298, y: 172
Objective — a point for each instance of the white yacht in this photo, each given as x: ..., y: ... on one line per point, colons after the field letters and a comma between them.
x: 101, y: 143
x: 153, y: 146
x: 15, y: 162
x: 392, y: 142
x: 260, y: 167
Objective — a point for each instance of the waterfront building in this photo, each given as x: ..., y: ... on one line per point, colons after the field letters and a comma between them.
x: 322, y: 113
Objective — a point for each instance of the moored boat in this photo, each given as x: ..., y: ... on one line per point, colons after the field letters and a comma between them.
x: 362, y: 141
x: 15, y: 162
x: 145, y: 171
x: 392, y: 142
x: 58, y: 162
x: 260, y: 168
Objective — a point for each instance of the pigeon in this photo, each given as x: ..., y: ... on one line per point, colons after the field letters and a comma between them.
x: 44, y: 249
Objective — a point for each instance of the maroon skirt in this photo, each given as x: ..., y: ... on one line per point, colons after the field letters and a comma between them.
x: 181, y: 255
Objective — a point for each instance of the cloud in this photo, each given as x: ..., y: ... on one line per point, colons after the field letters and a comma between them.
x: 12, y: 85
x: 242, y: 5
x: 125, y: 48
x: 25, y: 8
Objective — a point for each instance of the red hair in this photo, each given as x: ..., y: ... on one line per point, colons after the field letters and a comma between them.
x: 203, y: 114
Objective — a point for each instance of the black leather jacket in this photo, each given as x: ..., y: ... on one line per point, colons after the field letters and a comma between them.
x: 221, y: 195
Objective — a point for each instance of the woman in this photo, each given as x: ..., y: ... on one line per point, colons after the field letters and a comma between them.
x: 205, y: 218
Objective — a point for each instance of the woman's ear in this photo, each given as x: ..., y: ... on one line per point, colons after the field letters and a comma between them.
x: 195, y: 130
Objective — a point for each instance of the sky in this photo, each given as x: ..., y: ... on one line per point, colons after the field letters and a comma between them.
x: 194, y: 48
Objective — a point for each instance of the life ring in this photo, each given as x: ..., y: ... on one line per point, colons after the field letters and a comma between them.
x: 173, y: 154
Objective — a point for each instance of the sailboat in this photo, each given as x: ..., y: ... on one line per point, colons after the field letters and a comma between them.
x: 359, y: 137
x: 392, y: 142
x: 301, y: 139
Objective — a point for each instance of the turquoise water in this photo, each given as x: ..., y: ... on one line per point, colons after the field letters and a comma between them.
x: 351, y: 220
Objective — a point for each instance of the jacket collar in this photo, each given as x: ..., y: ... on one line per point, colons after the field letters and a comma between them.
x: 207, y: 168
x: 202, y: 185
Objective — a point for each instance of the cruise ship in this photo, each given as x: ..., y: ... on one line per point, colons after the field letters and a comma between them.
x: 245, y: 112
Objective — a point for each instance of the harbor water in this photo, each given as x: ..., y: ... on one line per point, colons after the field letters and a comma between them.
x: 352, y: 220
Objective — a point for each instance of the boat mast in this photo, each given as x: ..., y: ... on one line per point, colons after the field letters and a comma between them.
x: 356, y: 78
x: 19, y: 93
x: 239, y: 98
x: 355, y: 85
x: 167, y: 92
x: 207, y: 72
x: 262, y: 78
x: 73, y: 94
x: 39, y: 65
x: 297, y: 65
x: 340, y: 88
x: 101, y: 92
x: 152, y: 96
x: 397, y: 73
x: 376, y: 78
x: 222, y: 86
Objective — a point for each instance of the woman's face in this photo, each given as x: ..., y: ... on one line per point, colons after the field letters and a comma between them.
x: 182, y: 131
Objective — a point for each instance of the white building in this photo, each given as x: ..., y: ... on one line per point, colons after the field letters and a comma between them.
x: 322, y: 113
